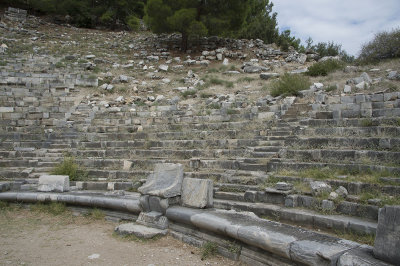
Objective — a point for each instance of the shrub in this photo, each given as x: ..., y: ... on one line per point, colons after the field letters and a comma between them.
x: 133, y: 22
x: 385, y: 45
x: 188, y: 93
x: 290, y: 85
x: 71, y: 168
x: 324, y: 68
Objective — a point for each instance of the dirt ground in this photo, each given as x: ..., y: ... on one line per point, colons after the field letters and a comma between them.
x: 37, y: 238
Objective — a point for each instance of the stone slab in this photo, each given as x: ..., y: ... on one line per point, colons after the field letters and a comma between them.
x: 165, y: 182
x: 387, y: 241
x: 53, y: 183
x: 140, y: 231
x: 197, y: 193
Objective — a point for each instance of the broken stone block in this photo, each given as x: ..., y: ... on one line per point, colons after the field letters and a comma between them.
x: 153, y: 219
x: 53, y: 183
x: 139, y: 230
x: 165, y: 182
x: 283, y: 186
x: 327, y: 205
x: 197, y: 193
x: 342, y: 191
x: 387, y: 241
x: 318, y: 187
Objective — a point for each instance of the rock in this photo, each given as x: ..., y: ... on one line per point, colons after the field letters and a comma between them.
x: 302, y: 58
x: 90, y: 56
x: 163, y: 68
x: 393, y: 75
x: 333, y: 196
x: 283, y: 186
x: 254, y: 69
x: 387, y: 241
x: 159, y: 98
x: 366, y: 77
x: 124, y: 79
x: 350, y: 69
x: 219, y: 57
x: 347, y: 89
x: 94, y: 256
x: 53, y: 183
x: 166, y: 181
x: 120, y: 99
x: 318, y: 86
x: 225, y: 62
x: 319, y: 187
x: 267, y: 75
x: 197, y: 193
x: 140, y: 231
x: 362, y: 85
x: 342, y: 192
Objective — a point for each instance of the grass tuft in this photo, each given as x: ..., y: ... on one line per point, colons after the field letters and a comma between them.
x: 209, y: 249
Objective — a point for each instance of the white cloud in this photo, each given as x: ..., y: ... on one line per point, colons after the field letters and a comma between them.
x: 347, y: 22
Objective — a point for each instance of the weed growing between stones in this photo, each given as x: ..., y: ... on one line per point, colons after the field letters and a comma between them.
x: 209, y: 249
x: 3, y: 205
x: 71, y: 168
x: 135, y: 238
x: 367, y: 239
x: 95, y: 214
x: 367, y: 122
x: 54, y: 208
x: 290, y: 84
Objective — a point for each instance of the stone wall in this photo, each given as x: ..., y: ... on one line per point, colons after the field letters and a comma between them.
x: 381, y: 104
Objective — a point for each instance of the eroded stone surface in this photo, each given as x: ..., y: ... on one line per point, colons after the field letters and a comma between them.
x: 53, y: 183
x: 166, y: 181
x: 387, y: 241
x: 139, y: 230
x: 197, y: 193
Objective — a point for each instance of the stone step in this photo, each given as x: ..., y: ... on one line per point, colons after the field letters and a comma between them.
x: 276, y: 165
x: 355, y: 143
x: 329, y: 155
x: 353, y: 187
x: 391, y: 132
x: 350, y: 122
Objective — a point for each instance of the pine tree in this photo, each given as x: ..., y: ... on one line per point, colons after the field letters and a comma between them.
x: 196, y: 17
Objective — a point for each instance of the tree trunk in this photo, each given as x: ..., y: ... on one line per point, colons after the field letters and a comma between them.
x: 185, y: 39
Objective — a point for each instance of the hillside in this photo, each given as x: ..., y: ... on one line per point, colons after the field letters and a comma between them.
x: 326, y: 158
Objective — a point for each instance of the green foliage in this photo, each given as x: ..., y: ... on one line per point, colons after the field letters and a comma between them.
x: 285, y: 40
x: 71, y: 168
x: 88, y: 13
x: 214, y: 106
x: 385, y: 45
x: 133, y: 22
x: 209, y: 249
x: 290, y: 84
x: 188, y: 93
x: 329, y: 49
x: 367, y: 122
x: 3, y: 205
x: 260, y: 22
x: 96, y: 214
x: 194, y: 18
x: 324, y: 68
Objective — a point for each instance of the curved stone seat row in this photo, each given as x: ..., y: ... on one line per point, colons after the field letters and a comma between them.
x: 294, y: 244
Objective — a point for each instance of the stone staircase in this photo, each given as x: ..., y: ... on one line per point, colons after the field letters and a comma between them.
x: 245, y: 151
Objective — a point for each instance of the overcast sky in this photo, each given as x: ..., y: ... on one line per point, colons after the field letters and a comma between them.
x: 347, y: 22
